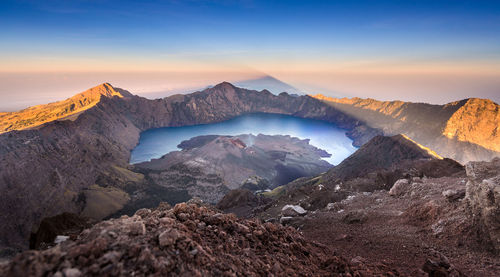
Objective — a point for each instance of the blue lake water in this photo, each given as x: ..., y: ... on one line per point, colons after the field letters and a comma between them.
x: 155, y: 143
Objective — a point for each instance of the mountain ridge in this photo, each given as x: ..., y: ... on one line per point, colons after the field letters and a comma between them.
x: 444, y: 128
x: 37, y: 115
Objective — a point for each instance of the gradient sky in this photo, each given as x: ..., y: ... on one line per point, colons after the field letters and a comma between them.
x: 432, y: 51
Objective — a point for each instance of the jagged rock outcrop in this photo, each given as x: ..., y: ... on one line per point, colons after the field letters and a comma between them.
x: 188, y: 240
x: 483, y: 198
x: 93, y: 149
x: 470, y: 125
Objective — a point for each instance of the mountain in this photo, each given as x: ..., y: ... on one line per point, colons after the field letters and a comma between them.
x: 393, y: 189
x: 478, y: 122
x: 82, y: 165
x: 380, y: 153
x: 66, y: 109
x: 470, y: 125
x: 268, y: 83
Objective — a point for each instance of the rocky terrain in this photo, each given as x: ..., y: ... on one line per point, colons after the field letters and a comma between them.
x: 436, y: 218
x: 82, y: 153
x: 470, y: 124
x: 82, y: 161
x: 377, y: 165
x: 187, y: 240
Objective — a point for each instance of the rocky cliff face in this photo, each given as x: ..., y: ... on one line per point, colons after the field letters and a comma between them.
x: 477, y: 122
x: 469, y: 125
x: 72, y: 165
x: 483, y: 199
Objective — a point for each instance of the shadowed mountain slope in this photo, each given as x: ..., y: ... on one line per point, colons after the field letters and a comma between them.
x: 376, y: 165
x: 380, y: 153
x: 267, y: 83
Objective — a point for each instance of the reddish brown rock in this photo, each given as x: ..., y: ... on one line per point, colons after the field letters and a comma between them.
x: 227, y: 246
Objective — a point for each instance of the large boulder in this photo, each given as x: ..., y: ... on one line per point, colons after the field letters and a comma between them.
x: 483, y: 196
x: 293, y: 210
x: 400, y: 187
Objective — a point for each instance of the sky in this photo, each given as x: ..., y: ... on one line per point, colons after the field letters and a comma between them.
x: 425, y: 51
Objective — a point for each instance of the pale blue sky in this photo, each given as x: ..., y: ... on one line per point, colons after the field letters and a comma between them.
x: 410, y: 50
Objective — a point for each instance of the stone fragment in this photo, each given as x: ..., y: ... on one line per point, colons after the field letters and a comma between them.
x: 293, y: 210
x: 399, y: 188
x: 168, y: 237
x: 453, y: 195
x: 358, y: 216
x: 60, y: 239
x: 142, y: 212
x: 285, y: 220
x: 136, y: 228
x: 72, y: 272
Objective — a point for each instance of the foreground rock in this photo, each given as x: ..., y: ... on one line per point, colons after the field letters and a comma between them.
x: 483, y: 196
x: 188, y: 240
